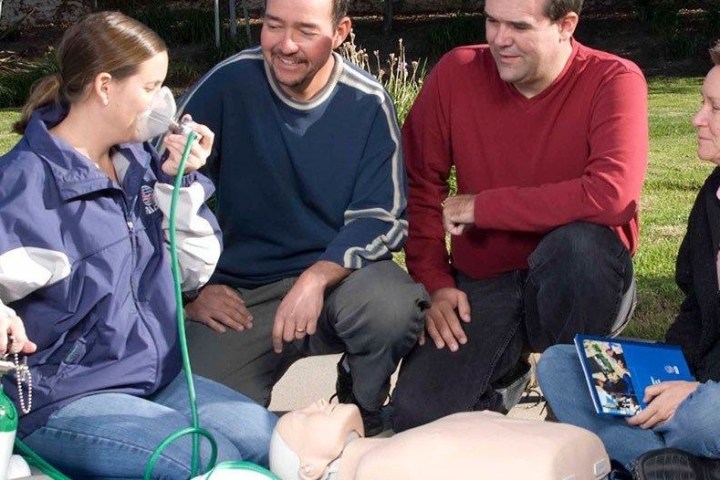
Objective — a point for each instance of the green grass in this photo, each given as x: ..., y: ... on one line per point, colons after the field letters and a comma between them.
x: 674, y: 177
x: 7, y: 138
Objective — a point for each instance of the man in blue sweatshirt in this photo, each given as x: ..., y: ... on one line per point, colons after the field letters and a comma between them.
x: 311, y: 202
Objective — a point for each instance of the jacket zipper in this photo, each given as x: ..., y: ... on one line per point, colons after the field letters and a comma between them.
x: 133, y: 253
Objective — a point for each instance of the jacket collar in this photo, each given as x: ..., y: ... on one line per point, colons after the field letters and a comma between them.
x: 74, y: 174
x: 712, y: 202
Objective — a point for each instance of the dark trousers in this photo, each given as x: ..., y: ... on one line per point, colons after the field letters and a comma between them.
x: 375, y: 315
x: 575, y: 282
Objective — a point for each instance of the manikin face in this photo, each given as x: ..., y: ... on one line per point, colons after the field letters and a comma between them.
x: 526, y: 45
x: 318, y: 433
x: 129, y: 97
x: 297, y: 39
x: 707, y: 120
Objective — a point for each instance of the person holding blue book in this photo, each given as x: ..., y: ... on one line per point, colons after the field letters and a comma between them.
x: 680, y: 414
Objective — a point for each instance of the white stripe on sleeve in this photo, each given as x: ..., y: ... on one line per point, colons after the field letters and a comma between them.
x: 26, y: 269
x: 198, y: 247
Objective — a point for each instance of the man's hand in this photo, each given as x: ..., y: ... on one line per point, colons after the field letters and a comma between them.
x: 218, y: 307
x: 458, y: 213
x: 299, y: 311
x: 441, y: 321
x: 662, y: 399
x: 12, y: 325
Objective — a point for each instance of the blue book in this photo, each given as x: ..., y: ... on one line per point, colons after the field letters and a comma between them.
x: 617, y: 370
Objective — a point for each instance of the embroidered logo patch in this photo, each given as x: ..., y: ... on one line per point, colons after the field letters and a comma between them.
x: 147, y: 196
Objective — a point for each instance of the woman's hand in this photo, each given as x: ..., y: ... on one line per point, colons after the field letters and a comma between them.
x: 12, y: 326
x: 662, y: 399
x: 199, y: 152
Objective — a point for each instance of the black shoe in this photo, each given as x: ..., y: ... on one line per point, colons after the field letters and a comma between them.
x: 373, y: 421
x: 674, y: 464
x: 618, y: 471
x: 512, y: 385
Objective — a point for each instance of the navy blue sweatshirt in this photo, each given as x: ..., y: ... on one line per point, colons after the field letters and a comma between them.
x: 299, y: 182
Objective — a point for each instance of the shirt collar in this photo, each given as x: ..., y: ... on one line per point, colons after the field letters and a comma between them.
x: 74, y: 174
x: 319, y: 98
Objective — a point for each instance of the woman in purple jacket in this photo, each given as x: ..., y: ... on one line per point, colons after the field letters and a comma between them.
x: 85, y: 272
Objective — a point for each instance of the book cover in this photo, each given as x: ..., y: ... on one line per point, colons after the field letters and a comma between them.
x: 617, y: 370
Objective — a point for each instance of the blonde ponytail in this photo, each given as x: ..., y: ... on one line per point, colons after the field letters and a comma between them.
x: 44, y: 91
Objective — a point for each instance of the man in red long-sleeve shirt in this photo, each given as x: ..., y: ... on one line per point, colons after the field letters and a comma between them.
x: 549, y: 139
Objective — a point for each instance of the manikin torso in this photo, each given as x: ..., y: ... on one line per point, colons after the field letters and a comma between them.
x: 456, y: 446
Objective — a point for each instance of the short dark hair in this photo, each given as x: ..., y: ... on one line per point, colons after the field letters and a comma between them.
x: 715, y: 53
x: 557, y: 9
x: 339, y: 10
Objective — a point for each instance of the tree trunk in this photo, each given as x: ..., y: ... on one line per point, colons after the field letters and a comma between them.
x: 246, y: 16
x: 388, y: 16
x: 233, y: 20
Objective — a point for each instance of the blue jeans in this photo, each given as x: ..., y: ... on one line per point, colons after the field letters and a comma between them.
x: 575, y: 282
x: 694, y: 428
x: 112, y: 435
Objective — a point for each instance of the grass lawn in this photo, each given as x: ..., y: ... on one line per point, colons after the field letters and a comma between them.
x: 674, y: 177
x: 8, y: 139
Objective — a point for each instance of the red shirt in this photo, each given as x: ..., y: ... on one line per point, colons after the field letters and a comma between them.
x: 575, y: 152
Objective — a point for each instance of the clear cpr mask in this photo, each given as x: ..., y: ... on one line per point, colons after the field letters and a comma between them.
x: 159, y: 117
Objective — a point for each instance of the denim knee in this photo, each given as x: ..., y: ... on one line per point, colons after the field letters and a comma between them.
x: 553, y: 366
x: 575, y: 283
x: 577, y: 244
x: 695, y: 426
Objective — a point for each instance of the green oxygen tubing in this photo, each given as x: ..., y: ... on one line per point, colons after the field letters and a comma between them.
x: 195, y: 430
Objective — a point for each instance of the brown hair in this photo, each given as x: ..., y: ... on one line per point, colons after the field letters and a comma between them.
x: 101, y: 42
x: 557, y: 9
x: 339, y: 10
x: 715, y: 53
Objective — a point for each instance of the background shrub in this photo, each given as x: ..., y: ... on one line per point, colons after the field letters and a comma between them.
x: 16, y: 82
x: 462, y: 30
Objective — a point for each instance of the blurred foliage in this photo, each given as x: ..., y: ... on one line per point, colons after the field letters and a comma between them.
x: 401, y: 79
x: 684, y: 29
x: 17, y: 81
x: 462, y: 30
x: 178, y: 26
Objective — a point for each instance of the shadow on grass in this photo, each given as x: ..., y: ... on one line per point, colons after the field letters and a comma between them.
x: 658, y: 303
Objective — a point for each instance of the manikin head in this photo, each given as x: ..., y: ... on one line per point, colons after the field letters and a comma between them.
x: 306, y: 441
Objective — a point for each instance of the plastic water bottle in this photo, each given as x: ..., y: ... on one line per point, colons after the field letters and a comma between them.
x: 8, y: 427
